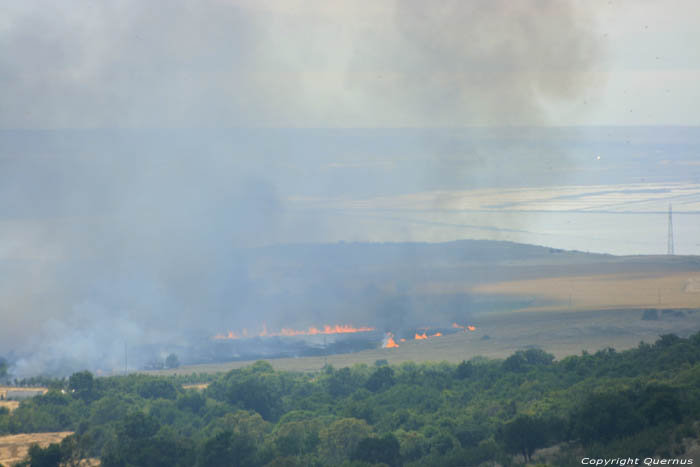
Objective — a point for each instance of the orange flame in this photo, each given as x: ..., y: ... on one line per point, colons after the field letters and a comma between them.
x: 287, y: 332
x: 457, y: 326
x: 471, y: 328
x: 437, y: 334
x: 389, y: 342
x: 420, y: 336
x: 230, y: 335
x: 402, y: 340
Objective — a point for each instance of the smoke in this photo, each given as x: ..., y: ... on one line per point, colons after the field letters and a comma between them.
x: 145, y: 235
x: 148, y: 253
x: 217, y: 63
x: 486, y: 63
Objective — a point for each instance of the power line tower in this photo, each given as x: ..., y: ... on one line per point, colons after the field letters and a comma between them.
x: 670, y: 230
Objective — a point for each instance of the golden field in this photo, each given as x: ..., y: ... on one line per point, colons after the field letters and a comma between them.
x: 9, y: 405
x: 4, y: 389
x: 14, y: 448
x: 604, y: 291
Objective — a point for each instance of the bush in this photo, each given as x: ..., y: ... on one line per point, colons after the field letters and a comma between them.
x: 154, y: 388
x: 382, y: 378
x: 172, y: 361
x: 383, y: 450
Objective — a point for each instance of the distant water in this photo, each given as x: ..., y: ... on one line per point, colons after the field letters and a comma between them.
x: 620, y: 220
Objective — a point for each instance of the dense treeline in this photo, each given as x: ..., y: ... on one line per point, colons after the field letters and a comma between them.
x: 3, y: 368
x: 640, y: 402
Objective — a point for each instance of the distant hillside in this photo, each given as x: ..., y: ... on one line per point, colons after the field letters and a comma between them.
x: 389, y: 285
x: 457, y: 252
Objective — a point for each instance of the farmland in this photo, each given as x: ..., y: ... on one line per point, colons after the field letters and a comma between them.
x: 9, y: 405
x: 498, y: 335
x: 604, y: 291
x: 13, y: 448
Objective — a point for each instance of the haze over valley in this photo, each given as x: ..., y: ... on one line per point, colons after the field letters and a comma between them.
x: 159, y: 156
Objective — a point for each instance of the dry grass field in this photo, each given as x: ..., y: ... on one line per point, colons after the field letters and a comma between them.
x: 198, y: 387
x: 563, y: 314
x: 13, y: 448
x: 606, y: 291
x: 5, y: 389
x: 13, y: 404
x: 10, y: 405
x: 498, y: 335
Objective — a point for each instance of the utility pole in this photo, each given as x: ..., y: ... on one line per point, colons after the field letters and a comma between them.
x: 670, y: 230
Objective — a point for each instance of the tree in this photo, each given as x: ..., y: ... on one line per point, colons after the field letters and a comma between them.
x: 340, y: 439
x: 296, y: 437
x: 538, y: 357
x: 227, y: 450
x: 172, y: 361
x: 515, y: 362
x: 667, y: 340
x: 470, y: 436
x: 522, y: 360
x: 72, y: 452
x: 413, y: 444
x: 604, y: 417
x: 192, y: 401
x: 243, y: 423
x: 464, y: 370
x: 157, y: 388
x: 82, y: 385
x: 342, y: 382
x: 3, y: 368
x: 382, y: 378
x: 138, y: 426
x: 383, y: 450
x: 47, y: 457
x: 142, y: 441
x: 523, y: 435
x: 259, y: 391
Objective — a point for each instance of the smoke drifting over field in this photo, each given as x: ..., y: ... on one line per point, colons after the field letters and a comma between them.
x: 145, y: 235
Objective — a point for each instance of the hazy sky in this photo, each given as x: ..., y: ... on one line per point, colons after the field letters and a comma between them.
x: 223, y: 63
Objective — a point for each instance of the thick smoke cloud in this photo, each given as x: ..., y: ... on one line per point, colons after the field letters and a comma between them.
x: 482, y: 62
x: 313, y: 63
x: 144, y: 249
x: 142, y: 235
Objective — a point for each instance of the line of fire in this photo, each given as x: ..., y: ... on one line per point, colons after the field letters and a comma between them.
x: 322, y: 340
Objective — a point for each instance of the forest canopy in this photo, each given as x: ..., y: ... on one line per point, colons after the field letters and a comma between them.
x: 640, y: 402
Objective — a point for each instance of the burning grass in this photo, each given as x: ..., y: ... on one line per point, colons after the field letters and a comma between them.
x: 498, y: 335
x: 289, y: 332
x: 389, y: 342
